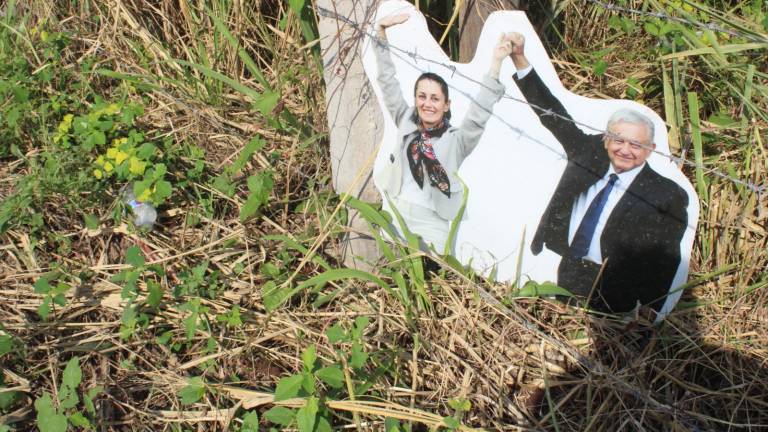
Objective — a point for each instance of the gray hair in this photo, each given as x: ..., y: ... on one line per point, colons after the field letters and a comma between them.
x: 627, y: 115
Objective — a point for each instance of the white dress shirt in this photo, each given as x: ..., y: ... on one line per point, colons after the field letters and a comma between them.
x: 582, y: 202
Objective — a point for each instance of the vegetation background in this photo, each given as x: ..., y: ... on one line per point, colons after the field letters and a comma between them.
x: 232, y: 312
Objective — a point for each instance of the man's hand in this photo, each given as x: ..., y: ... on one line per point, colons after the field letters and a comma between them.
x: 517, y: 43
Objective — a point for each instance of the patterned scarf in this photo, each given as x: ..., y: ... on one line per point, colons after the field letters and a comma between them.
x: 420, y: 152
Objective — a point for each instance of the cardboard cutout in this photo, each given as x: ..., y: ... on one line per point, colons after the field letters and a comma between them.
x: 515, y: 169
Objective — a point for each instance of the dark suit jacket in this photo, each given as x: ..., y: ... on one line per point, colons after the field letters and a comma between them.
x: 641, y: 238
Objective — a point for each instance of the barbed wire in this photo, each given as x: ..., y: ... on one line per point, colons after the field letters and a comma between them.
x: 665, y: 16
x: 402, y: 54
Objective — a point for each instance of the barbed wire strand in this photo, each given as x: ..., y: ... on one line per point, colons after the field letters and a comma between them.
x: 668, y: 17
x: 402, y: 53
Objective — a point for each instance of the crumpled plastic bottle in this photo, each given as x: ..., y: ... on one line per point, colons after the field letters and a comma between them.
x: 144, y: 213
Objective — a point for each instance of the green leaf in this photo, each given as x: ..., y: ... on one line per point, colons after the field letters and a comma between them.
x: 42, y: 286
x: 79, y: 420
x: 134, y: 257
x: 6, y: 344
x: 193, y: 392
x: 306, y: 415
x: 88, y: 399
x: 8, y: 399
x: 70, y: 380
x: 163, y: 190
x: 451, y: 423
x: 48, y: 420
x: 331, y: 375
x: 392, y: 425
x: 274, y: 296
x: 296, y: 5
x: 260, y: 186
x: 358, y: 357
x: 280, y: 415
x: 288, y: 387
x: 323, y: 425
x: 250, y: 422
x: 361, y: 323
x: 335, y: 334
x: 600, y: 67
x: 245, y: 155
x: 546, y: 289
x: 155, y: 294
x: 309, y: 356
x: 91, y: 221
x: 267, y: 102
x: 45, y: 308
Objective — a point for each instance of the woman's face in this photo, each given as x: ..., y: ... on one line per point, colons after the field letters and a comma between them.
x: 430, y: 102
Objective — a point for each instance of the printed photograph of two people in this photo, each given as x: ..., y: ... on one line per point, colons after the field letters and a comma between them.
x: 577, y: 191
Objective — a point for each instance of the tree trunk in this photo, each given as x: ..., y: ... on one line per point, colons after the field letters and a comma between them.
x: 354, y: 120
x: 471, y: 20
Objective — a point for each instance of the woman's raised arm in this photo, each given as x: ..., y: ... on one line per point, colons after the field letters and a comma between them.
x: 390, y: 87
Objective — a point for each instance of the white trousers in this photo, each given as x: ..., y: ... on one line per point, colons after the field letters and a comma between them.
x: 425, y: 223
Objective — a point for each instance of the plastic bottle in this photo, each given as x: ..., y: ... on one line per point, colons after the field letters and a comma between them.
x: 144, y: 213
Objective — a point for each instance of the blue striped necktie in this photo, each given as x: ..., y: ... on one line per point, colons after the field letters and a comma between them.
x: 583, y: 236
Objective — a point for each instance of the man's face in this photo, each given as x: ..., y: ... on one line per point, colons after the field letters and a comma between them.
x: 629, y: 147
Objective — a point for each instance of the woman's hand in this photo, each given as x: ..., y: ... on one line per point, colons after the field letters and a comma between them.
x: 502, y: 49
x: 389, y: 21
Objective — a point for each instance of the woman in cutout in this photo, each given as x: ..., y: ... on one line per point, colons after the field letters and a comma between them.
x: 420, y: 172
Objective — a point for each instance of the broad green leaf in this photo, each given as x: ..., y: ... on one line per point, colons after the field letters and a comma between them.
x: 250, y: 422
x: 323, y: 425
x: 193, y: 392
x: 155, y: 293
x: 260, y: 186
x: 45, y: 308
x: 134, y: 257
x: 335, y: 333
x: 91, y: 221
x: 6, y: 344
x: 8, y: 399
x: 48, y: 420
x: 280, y: 415
x: 309, y: 356
x: 267, y: 102
x: 163, y: 190
x: 331, y: 375
x: 288, y: 387
x: 42, y: 286
x: 358, y: 357
x: 73, y: 375
x: 70, y: 380
x: 306, y: 415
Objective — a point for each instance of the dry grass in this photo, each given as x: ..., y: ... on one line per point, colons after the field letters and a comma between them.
x: 704, y: 369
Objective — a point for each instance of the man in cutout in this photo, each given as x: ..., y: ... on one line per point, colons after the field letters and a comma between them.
x: 616, y: 223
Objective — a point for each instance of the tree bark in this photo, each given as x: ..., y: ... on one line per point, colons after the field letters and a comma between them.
x: 471, y: 20
x: 354, y: 120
